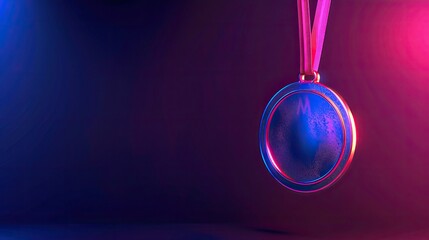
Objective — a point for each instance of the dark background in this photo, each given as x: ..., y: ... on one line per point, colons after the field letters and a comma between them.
x: 138, y: 111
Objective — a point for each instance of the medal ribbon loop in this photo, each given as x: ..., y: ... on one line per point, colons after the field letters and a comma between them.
x: 311, y: 41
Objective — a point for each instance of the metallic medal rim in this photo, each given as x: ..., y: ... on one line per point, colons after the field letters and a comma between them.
x: 349, y: 131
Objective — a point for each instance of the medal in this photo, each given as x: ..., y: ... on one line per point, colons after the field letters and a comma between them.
x: 307, y: 135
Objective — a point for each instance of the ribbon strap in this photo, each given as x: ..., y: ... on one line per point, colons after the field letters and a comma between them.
x: 311, y: 42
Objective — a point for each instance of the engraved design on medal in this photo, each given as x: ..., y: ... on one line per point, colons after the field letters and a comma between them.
x: 303, y: 106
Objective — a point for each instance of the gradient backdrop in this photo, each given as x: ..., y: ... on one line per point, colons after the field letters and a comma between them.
x: 137, y: 111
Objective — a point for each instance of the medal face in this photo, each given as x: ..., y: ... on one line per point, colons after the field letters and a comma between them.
x: 307, y: 136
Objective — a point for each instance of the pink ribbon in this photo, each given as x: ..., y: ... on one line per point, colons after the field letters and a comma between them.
x: 311, y: 41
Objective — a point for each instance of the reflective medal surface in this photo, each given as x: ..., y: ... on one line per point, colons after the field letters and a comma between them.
x: 307, y: 136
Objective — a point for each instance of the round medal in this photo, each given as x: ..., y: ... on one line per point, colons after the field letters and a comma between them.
x: 307, y: 135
